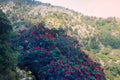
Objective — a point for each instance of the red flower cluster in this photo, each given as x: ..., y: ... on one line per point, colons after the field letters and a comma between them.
x: 56, y: 57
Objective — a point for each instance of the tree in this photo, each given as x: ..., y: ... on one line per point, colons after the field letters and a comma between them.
x: 7, y: 55
x: 23, y: 1
x: 52, y: 55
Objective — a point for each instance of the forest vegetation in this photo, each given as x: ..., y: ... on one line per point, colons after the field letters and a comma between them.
x: 40, y: 38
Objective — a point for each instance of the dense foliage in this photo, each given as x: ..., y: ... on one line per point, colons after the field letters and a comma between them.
x: 99, y: 37
x: 8, y: 57
x: 52, y: 55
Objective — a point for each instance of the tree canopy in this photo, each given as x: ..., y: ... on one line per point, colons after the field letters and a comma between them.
x: 52, y: 55
x: 8, y: 57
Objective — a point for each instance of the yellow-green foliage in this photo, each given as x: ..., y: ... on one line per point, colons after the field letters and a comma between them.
x: 53, y: 21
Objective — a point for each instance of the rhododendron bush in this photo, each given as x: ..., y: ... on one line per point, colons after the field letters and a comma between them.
x: 52, y: 55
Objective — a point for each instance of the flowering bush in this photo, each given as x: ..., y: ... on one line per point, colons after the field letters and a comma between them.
x: 52, y: 55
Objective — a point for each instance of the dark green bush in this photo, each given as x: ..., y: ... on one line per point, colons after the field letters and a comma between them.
x: 8, y: 57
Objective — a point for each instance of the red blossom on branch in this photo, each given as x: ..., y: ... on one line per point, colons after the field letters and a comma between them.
x: 49, y: 37
x: 52, y: 47
x: 37, y: 48
x: 81, y: 51
x: 61, y: 62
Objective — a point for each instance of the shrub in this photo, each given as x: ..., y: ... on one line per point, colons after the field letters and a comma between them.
x: 52, y: 55
x: 8, y: 57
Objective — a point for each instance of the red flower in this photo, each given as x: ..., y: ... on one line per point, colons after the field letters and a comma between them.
x: 77, y: 76
x: 80, y: 64
x: 65, y: 64
x: 38, y: 30
x: 81, y: 51
x: 94, y: 67
x: 69, y: 72
x: 47, y: 53
x: 35, y: 37
x: 62, y: 54
x: 77, y: 67
x: 85, y: 68
x: 81, y: 72
x: 49, y: 37
x: 75, y: 59
x: 31, y: 28
x: 78, y: 45
x: 97, y: 79
x: 56, y: 79
x: 30, y: 50
x: 89, y: 74
x: 69, y: 46
x: 61, y: 62
x: 37, y: 48
x: 59, y: 66
x: 24, y: 31
x: 75, y: 71
x: 32, y: 32
x: 64, y: 72
x: 69, y: 67
x: 44, y: 30
x: 54, y: 70
x: 97, y: 74
x: 65, y: 36
x: 52, y: 47
x: 88, y: 64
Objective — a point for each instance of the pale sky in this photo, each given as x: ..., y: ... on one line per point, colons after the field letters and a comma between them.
x: 99, y: 8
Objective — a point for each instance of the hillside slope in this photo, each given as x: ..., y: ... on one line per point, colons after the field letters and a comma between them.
x: 99, y: 37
